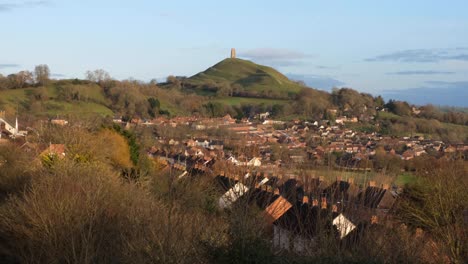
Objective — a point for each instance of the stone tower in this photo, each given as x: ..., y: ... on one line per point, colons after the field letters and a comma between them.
x: 233, y: 53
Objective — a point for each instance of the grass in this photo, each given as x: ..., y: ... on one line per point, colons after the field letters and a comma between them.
x: 405, y: 178
x: 251, y: 76
x: 64, y: 108
x: 245, y: 100
x: 95, y: 102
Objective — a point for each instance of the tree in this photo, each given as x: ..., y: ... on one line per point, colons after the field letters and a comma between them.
x: 174, y: 81
x: 42, y: 74
x: 224, y: 89
x: 379, y: 101
x: 436, y: 203
x: 24, y: 78
x: 98, y: 76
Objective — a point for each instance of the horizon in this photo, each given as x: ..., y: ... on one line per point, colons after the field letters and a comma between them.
x: 399, y: 50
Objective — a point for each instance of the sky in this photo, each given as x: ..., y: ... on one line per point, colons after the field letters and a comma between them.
x: 412, y: 50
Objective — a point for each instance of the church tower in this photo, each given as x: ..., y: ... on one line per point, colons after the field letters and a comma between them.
x: 233, y: 53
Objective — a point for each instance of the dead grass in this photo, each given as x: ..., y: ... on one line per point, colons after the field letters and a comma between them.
x: 83, y: 214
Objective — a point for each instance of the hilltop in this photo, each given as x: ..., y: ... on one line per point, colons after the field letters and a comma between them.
x: 245, y: 78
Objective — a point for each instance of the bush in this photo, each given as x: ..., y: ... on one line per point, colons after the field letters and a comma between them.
x: 15, y: 170
x: 83, y: 214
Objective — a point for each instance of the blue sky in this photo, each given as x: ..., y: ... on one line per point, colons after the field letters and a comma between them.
x: 401, y: 49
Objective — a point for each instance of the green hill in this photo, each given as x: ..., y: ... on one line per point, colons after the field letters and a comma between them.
x: 247, y: 77
x: 55, y: 99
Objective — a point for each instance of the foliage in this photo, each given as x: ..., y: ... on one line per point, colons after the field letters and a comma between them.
x: 437, y: 202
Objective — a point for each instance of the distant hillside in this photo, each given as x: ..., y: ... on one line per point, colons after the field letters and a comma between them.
x: 56, y: 99
x: 244, y: 78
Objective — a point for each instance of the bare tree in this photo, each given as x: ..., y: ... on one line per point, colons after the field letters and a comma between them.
x: 98, y: 76
x: 42, y: 74
x: 23, y: 78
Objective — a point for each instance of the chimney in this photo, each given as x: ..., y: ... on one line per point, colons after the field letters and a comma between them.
x: 374, y: 220
x: 233, y: 53
x: 324, y: 203
x: 305, y: 199
x: 371, y: 183
x: 315, y: 202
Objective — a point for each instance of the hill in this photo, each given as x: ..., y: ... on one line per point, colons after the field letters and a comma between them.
x: 244, y: 78
x: 56, y: 99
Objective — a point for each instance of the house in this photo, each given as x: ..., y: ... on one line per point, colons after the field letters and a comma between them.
x: 216, y: 144
x: 377, y: 198
x: 55, y: 149
x: 202, y: 143
x: 234, y: 193
x: 264, y: 115
x: 340, y: 120
x: 191, y: 143
x: 227, y: 119
x: 117, y: 119
x: 297, y: 228
x: 344, y: 225
x: 407, y: 155
x: 255, y: 162
x: 60, y: 122
x: 277, y: 209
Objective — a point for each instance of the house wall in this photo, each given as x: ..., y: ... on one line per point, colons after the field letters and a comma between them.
x: 286, y: 240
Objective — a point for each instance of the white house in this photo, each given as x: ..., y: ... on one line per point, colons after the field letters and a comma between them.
x: 232, y: 195
x: 344, y: 225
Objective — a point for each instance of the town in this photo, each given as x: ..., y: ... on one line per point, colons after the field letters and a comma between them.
x: 293, y: 170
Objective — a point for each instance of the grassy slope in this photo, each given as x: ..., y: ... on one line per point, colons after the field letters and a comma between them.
x: 241, y: 100
x: 96, y: 102
x: 251, y: 76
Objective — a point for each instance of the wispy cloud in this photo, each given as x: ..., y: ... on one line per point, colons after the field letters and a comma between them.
x: 423, y: 55
x: 433, y: 92
x: 322, y: 67
x: 421, y: 73
x: 449, y: 84
x: 317, y: 81
x: 9, y: 65
x: 275, y: 57
x: 9, y: 6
